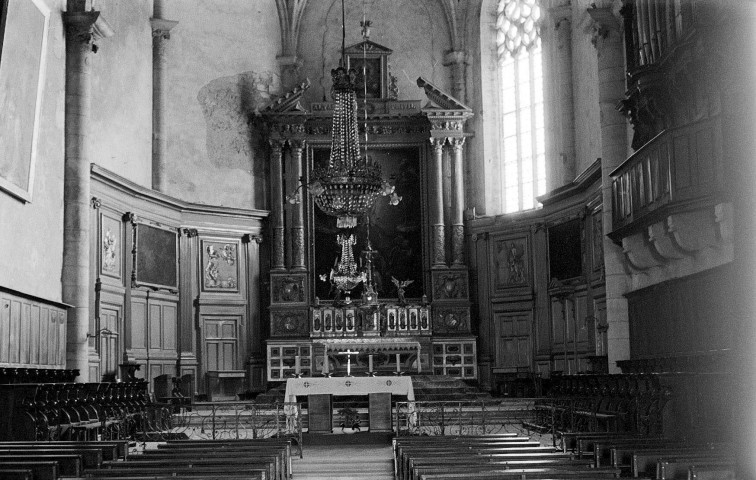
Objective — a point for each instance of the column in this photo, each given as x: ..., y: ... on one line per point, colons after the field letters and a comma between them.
x: 458, y: 199
x: 76, y: 187
x: 614, y: 150
x: 563, y: 170
x: 437, y: 208
x: 276, y: 204
x: 456, y: 60
x: 297, y: 227
x: 161, y: 32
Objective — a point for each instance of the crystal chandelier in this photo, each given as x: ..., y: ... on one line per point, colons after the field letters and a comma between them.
x: 349, y: 184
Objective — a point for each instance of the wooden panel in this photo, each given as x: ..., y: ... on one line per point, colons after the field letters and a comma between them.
x: 155, y: 340
x: 320, y: 413
x: 36, y: 313
x: 13, y: 339
x: 5, y: 314
x: 169, y: 327
x: 221, y: 343
x: 138, y: 322
x: 513, y: 339
x: 44, y: 336
x: 682, y: 316
x: 379, y: 412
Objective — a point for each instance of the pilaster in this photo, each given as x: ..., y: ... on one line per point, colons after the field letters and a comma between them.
x: 297, y: 227
x: 437, y: 207
x: 276, y: 203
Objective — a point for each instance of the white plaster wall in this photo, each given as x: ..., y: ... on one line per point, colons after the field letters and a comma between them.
x: 31, y: 234
x: 415, y: 30
x: 228, y: 48
x: 121, y: 133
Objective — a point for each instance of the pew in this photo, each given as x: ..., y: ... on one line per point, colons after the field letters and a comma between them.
x: 679, y: 467
x: 111, y: 449
x: 460, y: 457
x: 16, y: 474
x: 623, y: 457
x: 173, y: 472
x: 41, y: 469
x: 711, y: 472
x: 523, y: 474
x: 255, y: 461
x: 90, y: 457
x: 645, y: 462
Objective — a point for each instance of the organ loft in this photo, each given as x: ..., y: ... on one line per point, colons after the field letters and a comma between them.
x: 296, y: 219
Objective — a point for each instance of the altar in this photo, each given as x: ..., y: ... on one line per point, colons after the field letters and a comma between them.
x: 320, y: 391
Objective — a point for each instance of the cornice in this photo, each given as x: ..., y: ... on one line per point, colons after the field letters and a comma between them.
x: 126, y: 186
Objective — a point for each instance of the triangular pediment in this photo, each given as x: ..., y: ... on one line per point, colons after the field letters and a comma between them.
x: 289, y: 102
x: 440, y: 99
x: 367, y: 47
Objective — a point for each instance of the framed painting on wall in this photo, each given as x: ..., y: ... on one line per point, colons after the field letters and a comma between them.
x: 155, y: 257
x: 23, y: 45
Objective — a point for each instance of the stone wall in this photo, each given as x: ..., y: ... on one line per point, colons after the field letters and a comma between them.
x: 31, y: 234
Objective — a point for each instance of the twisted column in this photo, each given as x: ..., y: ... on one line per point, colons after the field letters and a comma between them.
x: 297, y: 227
x: 76, y: 193
x: 458, y: 199
x: 437, y: 208
x: 276, y: 204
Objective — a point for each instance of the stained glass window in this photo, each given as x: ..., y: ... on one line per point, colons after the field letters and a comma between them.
x: 523, y: 156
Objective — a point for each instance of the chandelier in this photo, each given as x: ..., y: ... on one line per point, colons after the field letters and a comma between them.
x: 346, y: 275
x: 349, y: 184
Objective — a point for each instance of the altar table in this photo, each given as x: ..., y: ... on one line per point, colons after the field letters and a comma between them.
x: 349, y: 386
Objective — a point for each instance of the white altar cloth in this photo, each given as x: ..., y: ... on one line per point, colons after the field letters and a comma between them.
x: 348, y: 386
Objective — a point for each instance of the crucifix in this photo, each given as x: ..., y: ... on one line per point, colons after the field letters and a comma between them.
x: 349, y: 354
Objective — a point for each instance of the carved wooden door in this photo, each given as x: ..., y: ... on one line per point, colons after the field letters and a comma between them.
x: 221, y: 344
x: 109, y: 344
x: 513, y: 340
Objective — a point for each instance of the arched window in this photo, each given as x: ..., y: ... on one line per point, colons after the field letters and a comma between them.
x: 520, y: 69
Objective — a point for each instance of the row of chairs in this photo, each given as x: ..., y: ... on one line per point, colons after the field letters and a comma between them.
x: 71, y: 411
x: 632, y: 403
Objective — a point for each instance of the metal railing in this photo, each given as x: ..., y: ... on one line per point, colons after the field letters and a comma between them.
x: 462, y: 417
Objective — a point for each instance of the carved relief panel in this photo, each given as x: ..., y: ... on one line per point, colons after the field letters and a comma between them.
x: 450, y: 285
x: 288, y: 288
x: 448, y: 320
x: 220, y: 265
x: 289, y: 323
x: 111, y: 246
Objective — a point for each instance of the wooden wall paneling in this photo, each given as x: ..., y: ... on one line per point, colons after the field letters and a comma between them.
x: 24, y: 333
x: 34, y: 338
x: 188, y: 291
x: 154, y: 329
x: 480, y: 288
x: 513, y: 339
x: 254, y: 339
x: 5, y: 314
x: 138, y: 322
x: 13, y: 339
x: 542, y: 317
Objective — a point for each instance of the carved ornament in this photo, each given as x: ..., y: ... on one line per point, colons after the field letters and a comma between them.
x: 288, y: 289
x: 450, y: 285
x: 451, y: 319
x: 290, y: 323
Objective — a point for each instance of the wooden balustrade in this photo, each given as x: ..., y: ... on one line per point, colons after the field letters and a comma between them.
x: 680, y: 166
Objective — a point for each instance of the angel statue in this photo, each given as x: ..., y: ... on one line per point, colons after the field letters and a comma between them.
x: 400, y: 286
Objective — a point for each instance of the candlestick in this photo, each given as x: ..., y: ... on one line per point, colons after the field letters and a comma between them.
x: 325, y: 362
x: 297, y: 365
x: 398, y: 366
x: 370, y: 362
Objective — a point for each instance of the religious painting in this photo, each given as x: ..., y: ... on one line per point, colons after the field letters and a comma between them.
x: 110, y: 246
x: 510, y: 260
x: 23, y: 46
x: 220, y: 266
x: 395, y: 231
x: 156, y: 257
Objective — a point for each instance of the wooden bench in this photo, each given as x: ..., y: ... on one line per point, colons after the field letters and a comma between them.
x: 623, y: 457
x: 283, y: 446
x: 90, y: 457
x: 523, y: 474
x: 267, y: 463
x: 645, y: 462
x: 679, y: 467
x: 111, y: 449
x: 41, y: 469
x: 711, y: 472
x: 70, y: 465
x: 16, y: 474
x: 203, y: 472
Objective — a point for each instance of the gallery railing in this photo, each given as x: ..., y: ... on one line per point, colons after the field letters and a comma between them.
x: 218, y: 421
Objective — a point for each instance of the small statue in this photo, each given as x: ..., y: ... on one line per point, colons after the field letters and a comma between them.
x: 400, y: 286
